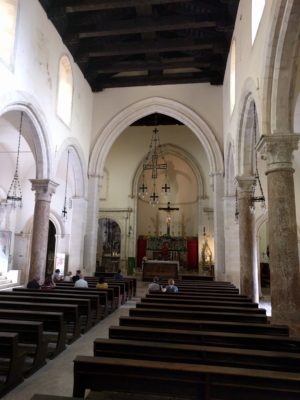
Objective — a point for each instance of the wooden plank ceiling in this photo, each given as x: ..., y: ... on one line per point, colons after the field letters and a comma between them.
x: 122, y: 43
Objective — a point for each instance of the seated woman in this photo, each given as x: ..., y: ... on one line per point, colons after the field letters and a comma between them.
x: 48, y: 283
x: 101, y: 283
x: 171, y: 288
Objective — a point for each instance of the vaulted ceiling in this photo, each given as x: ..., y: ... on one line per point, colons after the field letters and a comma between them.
x: 122, y: 43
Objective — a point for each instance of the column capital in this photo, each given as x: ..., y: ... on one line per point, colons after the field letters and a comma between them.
x: 245, y: 183
x: 278, y: 150
x: 44, y: 188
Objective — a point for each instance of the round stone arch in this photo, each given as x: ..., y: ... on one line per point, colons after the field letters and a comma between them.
x: 38, y: 140
x: 149, y: 106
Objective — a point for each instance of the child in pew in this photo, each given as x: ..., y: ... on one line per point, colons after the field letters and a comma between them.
x: 101, y: 283
x: 154, y: 286
x: 171, y: 288
x: 48, y: 283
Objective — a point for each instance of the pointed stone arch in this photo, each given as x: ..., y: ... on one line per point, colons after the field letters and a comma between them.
x: 149, y: 106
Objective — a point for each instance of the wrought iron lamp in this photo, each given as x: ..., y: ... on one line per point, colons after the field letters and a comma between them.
x: 64, y: 212
x: 259, y: 197
x: 14, y: 194
x: 154, y: 161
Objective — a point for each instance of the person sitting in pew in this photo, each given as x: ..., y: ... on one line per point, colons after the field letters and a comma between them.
x: 101, y: 283
x: 154, y: 286
x: 81, y: 282
x: 77, y: 276
x: 56, y: 276
x: 118, y: 275
x: 48, y: 283
x: 171, y: 288
x: 68, y: 277
x: 34, y: 283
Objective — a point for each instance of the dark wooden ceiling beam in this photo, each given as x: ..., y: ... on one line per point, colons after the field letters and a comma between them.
x: 146, y: 47
x: 103, y: 83
x: 146, y: 24
x: 101, y: 5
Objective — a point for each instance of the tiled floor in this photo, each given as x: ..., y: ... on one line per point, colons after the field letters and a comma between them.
x: 56, y: 377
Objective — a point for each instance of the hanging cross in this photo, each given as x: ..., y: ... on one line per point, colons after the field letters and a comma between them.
x: 154, y: 197
x: 168, y: 210
x: 154, y: 164
x: 165, y: 188
x: 143, y: 187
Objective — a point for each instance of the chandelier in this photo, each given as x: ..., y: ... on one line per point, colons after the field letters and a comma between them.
x: 259, y: 196
x: 14, y: 194
x: 154, y: 162
x: 64, y: 212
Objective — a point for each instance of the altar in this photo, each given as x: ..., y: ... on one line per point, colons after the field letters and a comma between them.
x: 160, y: 268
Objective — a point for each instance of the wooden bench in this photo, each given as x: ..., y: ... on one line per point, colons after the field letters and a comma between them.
x: 50, y: 397
x: 96, y: 312
x: 208, y: 338
x: 189, y: 380
x: 216, y: 315
x: 175, y: 300
x: 217, y: 326
x: 31, y: 340
x: 11, y: 362
x: 70, y: 313
x: 53, y: 323
x: 202, y: 296
x: 201, y: 307
x: 197, y: 354
x: 113, y: 294
x: 84, y: 305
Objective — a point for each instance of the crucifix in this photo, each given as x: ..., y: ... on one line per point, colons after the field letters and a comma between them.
x: 168, y: 210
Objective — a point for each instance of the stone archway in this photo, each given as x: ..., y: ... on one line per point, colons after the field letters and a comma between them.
x: 201, y: 130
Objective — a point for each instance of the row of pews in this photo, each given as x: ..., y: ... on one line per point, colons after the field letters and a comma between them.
x: 205, y: 342
x: 37, y: 325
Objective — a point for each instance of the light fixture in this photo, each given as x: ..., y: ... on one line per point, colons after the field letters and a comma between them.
x: 14, y: 194
x: 64, y: 212
x: 259, y: 198
x: 154, y: 161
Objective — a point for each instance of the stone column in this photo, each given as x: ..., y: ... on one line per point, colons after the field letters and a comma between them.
x: 44, y: 188
x: 90, y: 243
x: 248, y: 279
x: 284, y: 258
x: 218, y: 188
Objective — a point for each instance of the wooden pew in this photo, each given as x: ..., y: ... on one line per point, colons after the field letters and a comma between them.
x: 84, y: 305
x: 191, y: 381
x: 125, y: 290
x: 53, y: 323
x: 197, y: 354
x: 208, y: 338
x: 204, y: 315
x: 50, y: 397
x: 70, y: 313
x: 175, y: 300
x: 11, y: 362
x: 31, y: 340
x: 113, y: 294
x: 96, y: 312
x: 181, y: 296
x: 201, y: 307
x: 212, y: 326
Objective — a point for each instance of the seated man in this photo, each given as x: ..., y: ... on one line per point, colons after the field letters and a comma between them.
x: 77, y: 276
x: 34, y: 283
x: 154, y: 286
x: 56, y: 276
x: 81, y: 282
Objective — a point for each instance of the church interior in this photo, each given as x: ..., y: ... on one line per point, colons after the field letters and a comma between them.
x: 146, y: 139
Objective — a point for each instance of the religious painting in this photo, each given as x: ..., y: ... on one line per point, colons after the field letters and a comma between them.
x: 5, y: 239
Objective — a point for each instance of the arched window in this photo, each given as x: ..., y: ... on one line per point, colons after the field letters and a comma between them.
x: 232, y: 76
x: 65, y: 90
x: 8, y: 17
x: 257, y: 10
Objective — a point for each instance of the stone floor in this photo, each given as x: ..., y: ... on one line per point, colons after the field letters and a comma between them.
x: 56, y: 377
